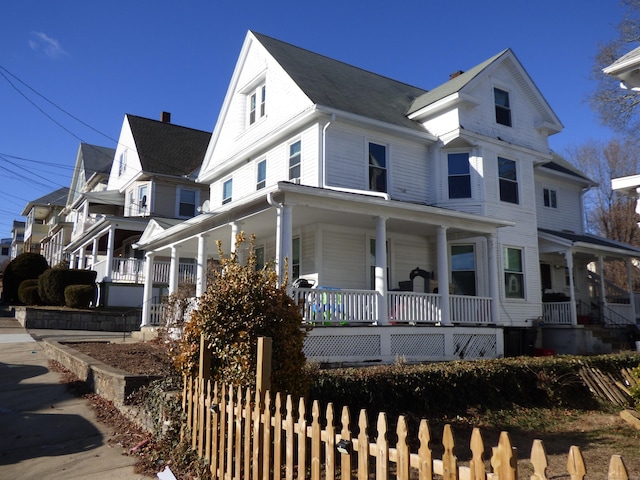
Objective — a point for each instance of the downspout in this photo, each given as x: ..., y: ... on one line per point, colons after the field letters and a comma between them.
x: 323, y: 158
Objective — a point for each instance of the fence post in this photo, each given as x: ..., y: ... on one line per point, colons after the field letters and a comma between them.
x: 204, y: 363
x: 263, y: 369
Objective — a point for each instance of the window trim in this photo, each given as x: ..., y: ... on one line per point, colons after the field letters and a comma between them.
x: 122, y: 163
x: 143, y: 203
x: 474, y: 270
x: 502, y: 109
x: 514, y: 273
x: 224, y: 183
x: 256, y: 97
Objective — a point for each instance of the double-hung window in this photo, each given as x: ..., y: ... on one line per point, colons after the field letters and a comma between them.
x: 503, y: 107
x: 508, y: 179
x: 187, y: 203
x: 143, y: 199
x: 295, y: 156
x: 513, y: 273
x: 261, y: 174
x: 227, y: 190
x: 459, y: 175
x: 550, y: 198
x: 257, y: 104
x: 377, y: 167
x: 463, y: 269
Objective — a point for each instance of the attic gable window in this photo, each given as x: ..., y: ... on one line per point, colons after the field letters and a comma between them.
x: 122, y: 163
x: 503, y: 107
x: 257, y: 103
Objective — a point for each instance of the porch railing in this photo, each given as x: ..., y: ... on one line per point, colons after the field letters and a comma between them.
x: 556, y: 313
x: 132, y: 270
x: 345, y: 306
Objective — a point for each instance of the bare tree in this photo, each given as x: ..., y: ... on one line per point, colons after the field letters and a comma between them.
x: 609, y: 213
x: 617, y: 107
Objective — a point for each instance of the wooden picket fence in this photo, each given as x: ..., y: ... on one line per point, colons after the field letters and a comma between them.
x: 242, y: 436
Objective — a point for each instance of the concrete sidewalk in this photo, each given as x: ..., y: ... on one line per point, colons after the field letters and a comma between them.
x: 45, y: 431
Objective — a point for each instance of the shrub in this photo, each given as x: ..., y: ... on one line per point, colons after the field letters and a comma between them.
x: 24, y: 267
x: 240, y: 305
x: 28, y: 292
x: 53, y: 282
x: 79, y: 296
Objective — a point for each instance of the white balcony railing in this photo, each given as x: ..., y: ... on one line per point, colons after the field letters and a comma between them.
x: 131, y: 270
x: 556, y: 313
x: 337, y: 306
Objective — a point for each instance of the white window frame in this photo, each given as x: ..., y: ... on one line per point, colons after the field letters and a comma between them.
x: 475, y: 264
x: 261, y: 183
x: 122, y: 163
x: 256, y: 103
x: 298, y: 165
x: 142, y: 202
x: 521, y: 273
x: 196, y: 200
x: 504, y: 108
x: 457, y: 175
x: 516, y: 181
x: 229, y: 198
x: 550, y: 197
x: 371, y: 167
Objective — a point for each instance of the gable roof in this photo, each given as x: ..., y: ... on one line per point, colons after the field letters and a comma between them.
x: 340, y: 86
x: 590, y: 241
x: 629, y: 59
x: 96, y: 159
x: 57, y: 198
x: 168, y: 149
x: 452, y: 86
x: 559, y: 164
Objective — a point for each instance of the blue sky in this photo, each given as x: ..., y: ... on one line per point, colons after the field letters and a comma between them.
x: 101, y: 60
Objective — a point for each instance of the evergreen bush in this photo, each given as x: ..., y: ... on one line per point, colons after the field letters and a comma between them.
x: 28, y: 292
x: 79, y: 296
x: 53, y: 282
x: 24, y: 267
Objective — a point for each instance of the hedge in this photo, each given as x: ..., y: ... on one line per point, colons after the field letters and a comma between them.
x: 52, y: 283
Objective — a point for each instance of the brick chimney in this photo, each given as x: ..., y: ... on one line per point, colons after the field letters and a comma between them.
x: 165, y: 117
x: 455, y: 74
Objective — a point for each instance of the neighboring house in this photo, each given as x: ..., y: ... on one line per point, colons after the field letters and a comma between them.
x: 42, y: 214
x: 627, y: 70
x: 5, y: 251
x: 401, y: 206
x: 17, y: 239
x: 151, y: 174
x: 89, y: 175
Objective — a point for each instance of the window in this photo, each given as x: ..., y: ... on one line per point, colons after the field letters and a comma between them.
x: 261, y: 180
x: 143, y: 199
x: 5, y: 251
x: 294, y: 160
x: 227, y: 188
x: 503, y: 109
x: 295, y: 260
x: 513, y: 273
x: 463, y: 269
x: 550, y: 198
x: 377, y: 167
x: 187, y: 205
x: 122, y: 163
x: 459, y: 175
x: 545, y: 276
x: 132, y: 203
x: 257, y: 104
x: 259, y: 253
x: 508, y: 180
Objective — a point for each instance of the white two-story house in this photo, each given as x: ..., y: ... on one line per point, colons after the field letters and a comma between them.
x: 150, y: 175
x: 424, y: 213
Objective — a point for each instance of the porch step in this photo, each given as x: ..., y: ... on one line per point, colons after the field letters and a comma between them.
x: 145, y: 334
x: 7, y: 310
x: 617, y: 338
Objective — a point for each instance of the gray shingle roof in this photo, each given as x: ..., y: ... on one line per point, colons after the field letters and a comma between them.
x: 591, y: 239
x: 55, y: 198
x: 452, y: 86
x: 627, y: 56
x: 96, y: 159
x: 168, y: 149
x: 337, y: 85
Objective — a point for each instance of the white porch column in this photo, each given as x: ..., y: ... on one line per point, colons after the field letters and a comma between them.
x: 81, y: 256
x: 278, y: 258
x: 632, y: 301
x: 572, y: 288
x: 173, y: 270
x: 147, y: 295
x: 286, y: 256
x: 381, y: 269
x: 94, y: 253
x: 494, y: 293
x: 443, y: 275
x: 235, y: 229
x: 201, y: 270
x: 72, y: 260
x: 110, y: 241
x: 603, y: 287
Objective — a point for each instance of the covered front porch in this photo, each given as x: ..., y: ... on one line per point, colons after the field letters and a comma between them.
x: 576, y: 289
x: 360, y: 259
